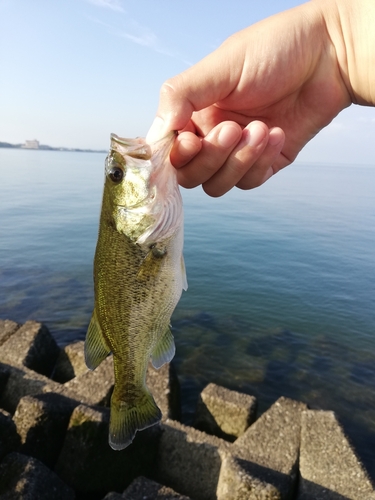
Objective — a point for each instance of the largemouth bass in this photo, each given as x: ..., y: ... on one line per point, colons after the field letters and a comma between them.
x: 139, y: 274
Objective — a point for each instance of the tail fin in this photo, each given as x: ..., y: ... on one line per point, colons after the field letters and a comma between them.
x: 126, y: 419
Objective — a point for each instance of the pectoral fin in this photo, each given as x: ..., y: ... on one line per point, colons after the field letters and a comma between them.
x: 164, y: 350
x: 96, y: 349
x: 151, y: 264
x: 183, y: 274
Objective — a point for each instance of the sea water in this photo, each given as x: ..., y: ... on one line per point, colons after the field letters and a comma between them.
x: 281, y: 297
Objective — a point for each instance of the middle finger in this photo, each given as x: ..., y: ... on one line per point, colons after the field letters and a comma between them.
x: 216, y: 147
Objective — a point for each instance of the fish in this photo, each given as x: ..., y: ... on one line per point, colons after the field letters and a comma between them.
x: 139, y: 275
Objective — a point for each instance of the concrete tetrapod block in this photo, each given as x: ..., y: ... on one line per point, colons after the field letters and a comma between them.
x: 223, y: 412
x: 9, y: 438
x: 189, y: 460
x: 4, y: 376
x: 70, y: 363
x: 112, y: 495
x: 42, y: 421
x: 7, y: 329
x: 146, y: 489
x: 32, y: 346
x: 25, y: 478
x: 243, y: 480
x: 90, y: 466
x: 272, y: 443
x: 329, y: 467
x: 23, y: 382
x: 93, y: 387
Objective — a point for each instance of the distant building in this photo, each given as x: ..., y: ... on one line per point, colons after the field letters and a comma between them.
x: 31, y: 144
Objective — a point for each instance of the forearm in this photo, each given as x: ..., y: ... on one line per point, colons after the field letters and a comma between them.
x: 351, y: 27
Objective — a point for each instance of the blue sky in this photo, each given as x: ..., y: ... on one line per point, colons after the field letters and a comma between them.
x: 73, y: 71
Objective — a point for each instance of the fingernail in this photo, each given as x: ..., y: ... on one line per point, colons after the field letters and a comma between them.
x: 276, y: 136
x: 186, y: 148
x: 228, y: 136
x: 156, y: 131
x: 256, y: 134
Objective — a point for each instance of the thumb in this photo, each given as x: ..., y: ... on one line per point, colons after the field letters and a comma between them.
x: 174, y: 111
x: 202, y: 85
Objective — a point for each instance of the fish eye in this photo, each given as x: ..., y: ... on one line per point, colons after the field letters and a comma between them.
x: 116, y: 174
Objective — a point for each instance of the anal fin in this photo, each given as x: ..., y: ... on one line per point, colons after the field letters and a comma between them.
x: 96, y: 349
x: 164, y: 350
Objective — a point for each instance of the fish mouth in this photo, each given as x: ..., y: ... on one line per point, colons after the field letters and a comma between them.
x: 137, y: 148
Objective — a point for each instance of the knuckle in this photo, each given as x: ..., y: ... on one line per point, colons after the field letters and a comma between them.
x: 167, y: 88
x: 170, y: 88
x: 238, y: 167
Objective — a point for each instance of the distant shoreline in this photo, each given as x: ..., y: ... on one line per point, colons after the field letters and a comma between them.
x: 43, y: 147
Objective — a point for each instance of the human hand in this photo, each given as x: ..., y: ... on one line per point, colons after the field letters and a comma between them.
x: 246, y: 110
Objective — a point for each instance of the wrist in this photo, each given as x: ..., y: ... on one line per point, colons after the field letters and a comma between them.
x: 350, y: 25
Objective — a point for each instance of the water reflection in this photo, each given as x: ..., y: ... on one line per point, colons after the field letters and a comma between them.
x: 281, y: 296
